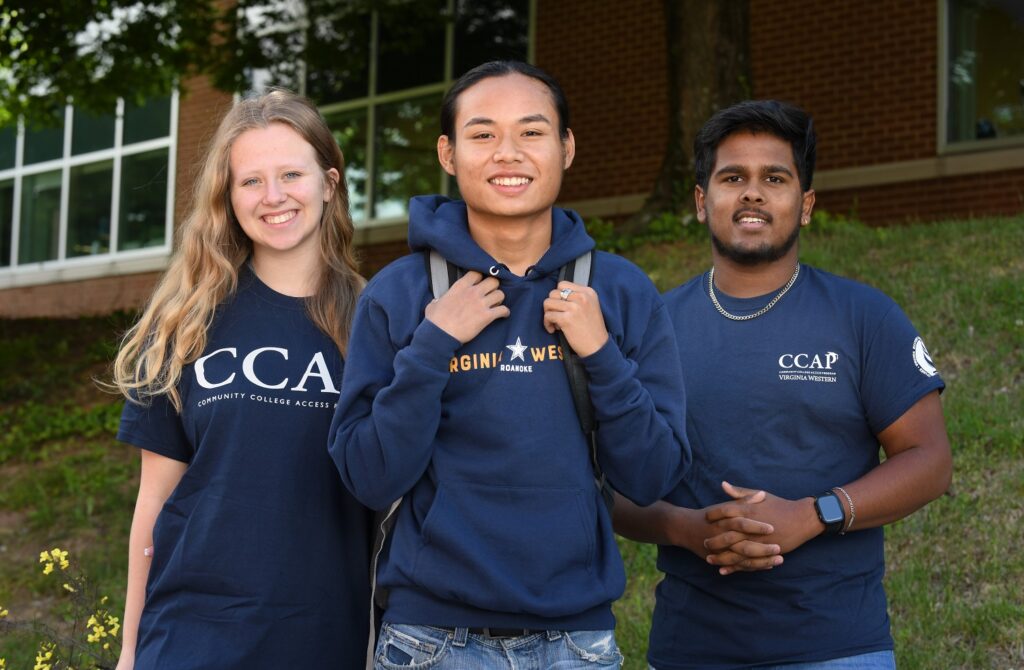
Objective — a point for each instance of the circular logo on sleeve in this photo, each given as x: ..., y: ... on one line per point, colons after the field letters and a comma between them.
x: 922, y: 360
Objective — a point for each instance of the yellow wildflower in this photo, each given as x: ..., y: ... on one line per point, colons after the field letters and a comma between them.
x: 44, y: 655
x: 60, y: 556
x: 3, y: 612
x: 103, y: 600
x: 44, y: 556
x: 114, y: 623
x: 48, y: 568
x: 3, y: 663
x: 69, y: 588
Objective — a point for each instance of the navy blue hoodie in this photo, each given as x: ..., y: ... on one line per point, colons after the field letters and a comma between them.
x: 502, y: 524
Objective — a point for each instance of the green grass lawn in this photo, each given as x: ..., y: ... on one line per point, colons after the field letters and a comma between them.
x: 956, y: 572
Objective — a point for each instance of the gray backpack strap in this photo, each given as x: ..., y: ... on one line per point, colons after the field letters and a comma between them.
x: 441, y: 273
x: 384, y: 521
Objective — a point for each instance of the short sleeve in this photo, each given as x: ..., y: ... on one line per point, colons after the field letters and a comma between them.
x: 157, y: 427
x: 898, y: 371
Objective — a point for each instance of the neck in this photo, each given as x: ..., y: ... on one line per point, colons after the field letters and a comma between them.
x: 517, y: 243
x: 286, y: 273
x: 749, y: 281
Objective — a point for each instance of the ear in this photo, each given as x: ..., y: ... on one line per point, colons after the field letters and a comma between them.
x: 568, y: 149
x: 446, y: 154
x: 333, y: 178
x: 698, y: 201
x: 807, y: 209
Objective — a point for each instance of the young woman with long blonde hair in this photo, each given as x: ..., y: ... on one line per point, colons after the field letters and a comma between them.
x: 245, y: 549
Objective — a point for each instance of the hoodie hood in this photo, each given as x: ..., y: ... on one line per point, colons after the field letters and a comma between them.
x: 440, y: 223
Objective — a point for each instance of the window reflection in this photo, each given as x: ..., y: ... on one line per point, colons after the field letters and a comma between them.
x: 349, y: 130
x: 40, y: 217
x: 90, y: 132
x: 406, y: 150
x: 6, y: 221
x: 985, y: 69
x: 43, y: 144
x: 89, y: 209
x: 143, y: 204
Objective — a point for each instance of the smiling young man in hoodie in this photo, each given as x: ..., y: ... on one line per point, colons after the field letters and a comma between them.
x: 502, y: 551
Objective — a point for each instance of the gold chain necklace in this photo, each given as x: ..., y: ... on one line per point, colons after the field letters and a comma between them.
x: 748, y: 317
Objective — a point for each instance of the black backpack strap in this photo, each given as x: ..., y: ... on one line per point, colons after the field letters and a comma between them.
x: 578, y: 271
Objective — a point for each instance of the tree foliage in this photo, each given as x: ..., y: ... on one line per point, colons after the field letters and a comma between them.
x: 95, y: 51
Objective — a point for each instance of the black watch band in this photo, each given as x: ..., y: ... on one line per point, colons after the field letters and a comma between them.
x: 830, y: 512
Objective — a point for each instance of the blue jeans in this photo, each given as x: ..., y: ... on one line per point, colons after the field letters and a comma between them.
x: 876, y: 660
x: 404, y: 647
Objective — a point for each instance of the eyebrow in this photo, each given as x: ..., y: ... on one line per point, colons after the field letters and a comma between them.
x: 484, y: 121
x: 767, y: 169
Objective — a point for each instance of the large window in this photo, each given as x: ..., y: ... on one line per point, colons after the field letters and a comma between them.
x: 95, y: 188
x: 984, y: 72
x: 383, y: 93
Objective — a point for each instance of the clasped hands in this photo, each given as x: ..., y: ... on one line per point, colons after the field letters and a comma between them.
x: 749, y: 533
x: 474, y: 301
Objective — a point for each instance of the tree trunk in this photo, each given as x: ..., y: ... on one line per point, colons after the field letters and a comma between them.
x: 708, y: 68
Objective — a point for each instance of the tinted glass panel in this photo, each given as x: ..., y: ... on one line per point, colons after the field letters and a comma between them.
x: 339, y: 58
x: 411, y: 44
x: 985, y: 70
x: 490, y: 30
x: 6, y: 221
x: 8, y: 145
x: 143, y: 200
x: 91, y: 133
x: 406, y: 154
x: 148, y: 122
x: 40, y: 217
x: 89, y: 209
x: 349, y: 130
x: 43, y: 144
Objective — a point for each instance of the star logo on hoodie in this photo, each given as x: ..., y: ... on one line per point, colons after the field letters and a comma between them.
x: 518, y: 350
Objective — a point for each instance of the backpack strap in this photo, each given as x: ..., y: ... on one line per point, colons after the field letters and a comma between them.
x: 581, y: 271
x: 578, y: 271
x: 441, y: 273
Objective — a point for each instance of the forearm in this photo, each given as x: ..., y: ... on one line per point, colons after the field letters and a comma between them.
x: 902, y: 484
x: 141, y: 538
x: 661, y: 523
x: 918, y: 468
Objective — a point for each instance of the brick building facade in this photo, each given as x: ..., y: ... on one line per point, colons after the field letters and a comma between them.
x: 871, y: 73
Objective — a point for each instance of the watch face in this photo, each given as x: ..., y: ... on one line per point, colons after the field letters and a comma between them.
x: 830, y: 509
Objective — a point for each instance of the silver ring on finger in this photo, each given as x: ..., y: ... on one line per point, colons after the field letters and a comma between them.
x: 565, y: 293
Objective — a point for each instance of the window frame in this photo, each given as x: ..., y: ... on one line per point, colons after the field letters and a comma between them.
x: 373, y: 100
x: 944, y: 146
x: 113, y: 261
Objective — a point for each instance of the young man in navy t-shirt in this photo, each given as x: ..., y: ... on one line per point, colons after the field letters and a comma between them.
x: 772, y: 546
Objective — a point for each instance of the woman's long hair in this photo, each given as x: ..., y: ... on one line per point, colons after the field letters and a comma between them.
x: 171, y: 332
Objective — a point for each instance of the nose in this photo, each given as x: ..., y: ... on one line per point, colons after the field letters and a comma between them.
x: 273, y: 193
x: 752, y: 193
x: 507, y: 149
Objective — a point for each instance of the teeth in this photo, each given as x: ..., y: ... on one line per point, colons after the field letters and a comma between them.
x: 752, y: 219
x: 280, y: 218
x: 511, y: 181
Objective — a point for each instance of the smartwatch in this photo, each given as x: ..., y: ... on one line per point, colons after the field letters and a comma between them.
x: 830, y: 512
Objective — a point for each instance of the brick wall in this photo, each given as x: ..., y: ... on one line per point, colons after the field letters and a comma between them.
x: 81, y: 298
x: 987, y: 194
x: 865, y: 70
x: 201, y: 109
x: 609, y: 57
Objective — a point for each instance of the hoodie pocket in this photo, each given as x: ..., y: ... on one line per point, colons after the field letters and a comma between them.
x: 510, y: 549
